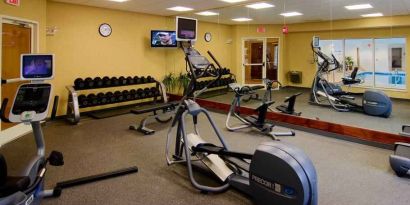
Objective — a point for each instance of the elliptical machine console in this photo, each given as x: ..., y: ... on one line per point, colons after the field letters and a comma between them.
x: 30, y: 106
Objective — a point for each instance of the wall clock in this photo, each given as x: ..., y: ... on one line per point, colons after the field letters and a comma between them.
x: 208, y: 37
x: 105, y: 30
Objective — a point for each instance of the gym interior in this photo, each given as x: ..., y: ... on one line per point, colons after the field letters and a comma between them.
x: 205, y: 102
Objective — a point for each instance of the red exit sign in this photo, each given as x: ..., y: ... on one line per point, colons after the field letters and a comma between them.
x: 13, y: 2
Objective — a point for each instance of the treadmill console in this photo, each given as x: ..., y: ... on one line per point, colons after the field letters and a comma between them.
x: 198, y: 61
x: 31, y: 103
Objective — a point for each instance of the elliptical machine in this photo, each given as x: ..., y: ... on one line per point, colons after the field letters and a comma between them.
x: 30, y: 106
x: 253, y: 121
x: 275, y: 174
x: 324, y: 93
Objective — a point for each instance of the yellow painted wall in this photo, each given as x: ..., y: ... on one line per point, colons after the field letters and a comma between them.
x: 81, y: 52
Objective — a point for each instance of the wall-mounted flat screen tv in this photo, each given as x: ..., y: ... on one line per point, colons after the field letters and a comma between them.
x: 162, y: 38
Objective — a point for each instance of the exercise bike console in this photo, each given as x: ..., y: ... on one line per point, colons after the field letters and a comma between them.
x: 31, y: 103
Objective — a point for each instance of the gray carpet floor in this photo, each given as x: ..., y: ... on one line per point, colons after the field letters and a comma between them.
x: 400, y: 114
x: 348, y: 173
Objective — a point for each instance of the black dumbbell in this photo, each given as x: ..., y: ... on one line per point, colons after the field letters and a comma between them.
x: 110, y: 97
x: 115, y: 81
x: 141, y: 93
x: 130, y: 80
x: 89, y: 83
x: 118, y: 96
x: 143, y: 80
x: 123, y: 80
x: 127, y: 95
x: 98, y: 82
x: 106, y: 81
x: 102, y: 98
x: 137, y: 80
x: 154, y: 91
x: 134, y: 95
x: 92, y: 99
x: 82, y: 101
x: 79, y: 84
x: 147, y: 92
x: 150, y: 79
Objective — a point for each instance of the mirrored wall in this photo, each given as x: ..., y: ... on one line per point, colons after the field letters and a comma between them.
x: 259, y: 40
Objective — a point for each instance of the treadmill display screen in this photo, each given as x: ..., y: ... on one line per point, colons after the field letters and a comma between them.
x: 32, y: 98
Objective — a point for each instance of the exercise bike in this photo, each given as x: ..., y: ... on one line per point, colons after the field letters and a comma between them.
x: 288, y: 108
x: 324, y: 93
x: 276, y: 173
x: 258, y: 121
x: 30, y: 106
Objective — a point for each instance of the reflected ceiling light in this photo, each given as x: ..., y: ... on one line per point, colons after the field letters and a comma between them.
x: 359, y: 6
x: 372, y: 15
x: 119, y: 0
x: 289, y: 14
x: 260, y: 6
x: 180, y: 8
x: 207, y: 13
x: 233, y: 1
x: 241, y: 19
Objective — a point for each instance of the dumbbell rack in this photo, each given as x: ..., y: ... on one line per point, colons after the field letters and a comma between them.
x: 74, y: 108
x: 219, y: 87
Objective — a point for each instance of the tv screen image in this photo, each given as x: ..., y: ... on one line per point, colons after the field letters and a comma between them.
x: 186, y: 29
x: 161, y: 38
x: 37, y: 66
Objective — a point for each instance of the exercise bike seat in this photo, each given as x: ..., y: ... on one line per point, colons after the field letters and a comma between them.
x: 11, y: 184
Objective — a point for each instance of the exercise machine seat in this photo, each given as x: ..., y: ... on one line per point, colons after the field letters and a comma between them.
x: 8, y: 184
x: 153, y: 107
x: 352, y: 79
x: 257, y: 87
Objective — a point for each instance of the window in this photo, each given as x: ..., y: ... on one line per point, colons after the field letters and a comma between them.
x: 381, y: 62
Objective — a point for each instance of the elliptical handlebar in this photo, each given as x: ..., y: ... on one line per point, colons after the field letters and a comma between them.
x: 3, y: 116
x: 327, y: 61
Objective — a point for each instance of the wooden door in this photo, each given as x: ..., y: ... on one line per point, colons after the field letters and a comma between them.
x: 272, y: 58
x: 16, y: 40
x: 256, y: 57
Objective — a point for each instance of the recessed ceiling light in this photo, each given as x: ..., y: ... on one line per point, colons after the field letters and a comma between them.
x: 233, y: 1
x: 289, y: 14
x: 359, y: 6
x: 180, y: 8
x: 207, y: 13
x: 372, y: 15
x: 119, y: 0
x: 241, y: 19
x: 260, y: 6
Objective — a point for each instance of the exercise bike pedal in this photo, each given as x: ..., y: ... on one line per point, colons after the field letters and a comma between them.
x: 56, y: 158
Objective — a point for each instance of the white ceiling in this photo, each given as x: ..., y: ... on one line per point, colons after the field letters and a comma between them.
x: 313, y: 10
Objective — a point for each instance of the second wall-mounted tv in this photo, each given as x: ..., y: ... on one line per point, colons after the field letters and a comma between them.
x: 186, y: 29
x: 162, y: 38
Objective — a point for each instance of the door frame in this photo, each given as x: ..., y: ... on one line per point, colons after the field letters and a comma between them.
x: 264, y: 57
x: 15, y: 132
